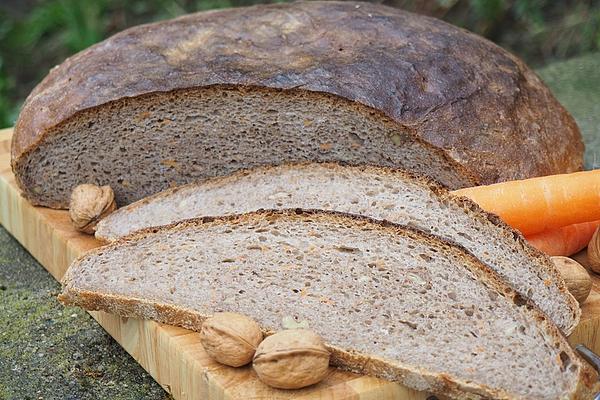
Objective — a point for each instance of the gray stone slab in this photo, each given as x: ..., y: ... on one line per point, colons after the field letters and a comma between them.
x: 48, y: 351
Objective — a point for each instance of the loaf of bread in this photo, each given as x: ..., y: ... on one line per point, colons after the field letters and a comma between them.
x: 375, y: 192
x: 210, y: 93
x: 388, y: 300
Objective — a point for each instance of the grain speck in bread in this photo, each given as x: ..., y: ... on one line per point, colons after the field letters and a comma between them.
x: 387, y: 300
x: 375, y: 192
x: 209, y: 93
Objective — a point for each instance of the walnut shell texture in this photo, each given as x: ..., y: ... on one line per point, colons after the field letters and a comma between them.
x: 230, y: 338
x: 89, y: 204
x: 575, y: 276
x: 593, y: 252
x: 291, y: 359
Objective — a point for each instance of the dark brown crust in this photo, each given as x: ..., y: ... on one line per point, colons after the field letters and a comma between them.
x: 472, y: 208
x: 451, y: 88
x: 344, y: 358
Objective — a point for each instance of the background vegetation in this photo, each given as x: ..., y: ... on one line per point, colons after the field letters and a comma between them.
x: 38, y: 34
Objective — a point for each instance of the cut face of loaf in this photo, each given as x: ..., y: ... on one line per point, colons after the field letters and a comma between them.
x: 374, y: 192
x: 389, y: 301
x: 142, y: 146
x: 209, y: 93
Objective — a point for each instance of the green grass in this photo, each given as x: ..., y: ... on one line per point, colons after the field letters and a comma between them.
x: 36, y: 35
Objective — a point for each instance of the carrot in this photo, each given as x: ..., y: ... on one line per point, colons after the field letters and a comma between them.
x: 540, y: 204
x: 564, y: 241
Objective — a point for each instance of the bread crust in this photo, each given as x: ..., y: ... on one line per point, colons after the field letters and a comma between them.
x: 455, y: 91
x: 344, y: 358
x: 446, y: 196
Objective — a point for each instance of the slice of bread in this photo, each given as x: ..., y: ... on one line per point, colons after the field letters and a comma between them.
x: 375, y: 192
x: 388, y: 300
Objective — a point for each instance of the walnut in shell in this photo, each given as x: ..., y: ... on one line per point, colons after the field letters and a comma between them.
x: 230, y: 338
x: 576, y: 277
x: 593, y: 252
x: 89, y: 204
x: 291, y: 359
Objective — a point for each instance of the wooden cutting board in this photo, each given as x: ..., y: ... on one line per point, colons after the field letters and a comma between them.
x: 174, y: 356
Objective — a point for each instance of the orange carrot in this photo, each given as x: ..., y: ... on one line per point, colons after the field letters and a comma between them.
x: 564, y: 241
x: 540, y: 204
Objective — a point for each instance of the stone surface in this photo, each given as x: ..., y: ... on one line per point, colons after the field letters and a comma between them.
x: 48, y: 351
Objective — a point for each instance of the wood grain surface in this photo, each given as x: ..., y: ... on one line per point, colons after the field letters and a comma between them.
x: 174, y: 356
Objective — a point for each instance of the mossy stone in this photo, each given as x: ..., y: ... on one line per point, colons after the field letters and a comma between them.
x: 48, y: 351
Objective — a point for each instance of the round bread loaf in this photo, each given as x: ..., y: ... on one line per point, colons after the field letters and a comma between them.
x: 210, y: 93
